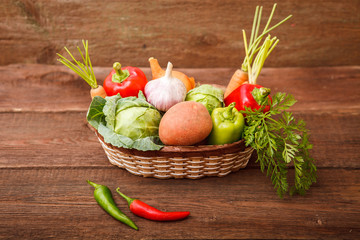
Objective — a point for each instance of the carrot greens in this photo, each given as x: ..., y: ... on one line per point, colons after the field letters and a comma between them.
x: 279, y: 139
x: 83, y: 69
x: 256, y: 38
x: 264, y: 51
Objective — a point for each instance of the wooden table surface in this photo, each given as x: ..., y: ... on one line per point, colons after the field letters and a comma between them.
x: 47, y: 152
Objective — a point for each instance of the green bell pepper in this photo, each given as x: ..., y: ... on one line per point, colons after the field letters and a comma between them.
x: 228, y: 125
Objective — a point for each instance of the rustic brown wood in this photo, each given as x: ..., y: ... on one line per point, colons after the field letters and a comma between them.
x: 64, y: 140
x: 47, y: 152
x: 46, y: 88
x: 189, y: 33
x: 58, y: 203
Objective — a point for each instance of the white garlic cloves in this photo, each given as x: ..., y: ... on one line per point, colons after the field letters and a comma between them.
x: 166, y: 91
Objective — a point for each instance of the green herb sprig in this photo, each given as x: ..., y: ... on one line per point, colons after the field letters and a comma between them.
x: 279, y: 140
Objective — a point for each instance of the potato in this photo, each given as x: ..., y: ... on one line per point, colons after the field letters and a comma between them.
x: 185, y: 123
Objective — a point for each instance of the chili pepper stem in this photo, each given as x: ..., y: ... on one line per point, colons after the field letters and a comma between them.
x: 93, y: 184
x: 128, y: 199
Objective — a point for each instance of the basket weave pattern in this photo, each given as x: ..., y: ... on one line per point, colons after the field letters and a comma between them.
x: 180, y: 162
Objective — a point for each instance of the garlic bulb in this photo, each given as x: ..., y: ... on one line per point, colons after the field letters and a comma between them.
x: 166, y: 91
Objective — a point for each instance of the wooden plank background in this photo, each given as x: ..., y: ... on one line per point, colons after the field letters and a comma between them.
x: 190, y: 33
x: 48, y: 152
x: 58, y: 100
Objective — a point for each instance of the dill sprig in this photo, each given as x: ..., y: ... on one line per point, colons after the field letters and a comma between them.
x: 280, y: 140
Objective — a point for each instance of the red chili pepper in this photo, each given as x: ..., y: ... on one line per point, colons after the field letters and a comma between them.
x: 127, y: 81
x: 141, y: 209
x: 251, y: 96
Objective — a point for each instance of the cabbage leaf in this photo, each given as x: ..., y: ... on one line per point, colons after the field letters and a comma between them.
x: 129, y: 122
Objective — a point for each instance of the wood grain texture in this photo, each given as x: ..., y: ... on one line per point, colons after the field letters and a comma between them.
x: 64, y: 140
x: 47, y: 152
x: 43, y: 110
x: 62, y: 206
x: 190, y: 33
x: 47, y: 88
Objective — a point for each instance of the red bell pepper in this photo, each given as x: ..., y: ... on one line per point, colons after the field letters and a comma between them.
x: 251, y: 96
x: 127, y: 81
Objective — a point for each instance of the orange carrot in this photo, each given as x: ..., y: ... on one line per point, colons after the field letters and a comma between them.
x: 158, y: 72
x: 99, y: 91
x: 238, y: 78
x: 242, y: 75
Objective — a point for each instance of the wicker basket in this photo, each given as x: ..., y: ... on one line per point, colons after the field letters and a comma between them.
x: 192, y: 162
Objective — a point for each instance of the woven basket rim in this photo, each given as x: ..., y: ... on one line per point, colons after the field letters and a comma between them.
x: 192, y: 162
x: 179, y: 150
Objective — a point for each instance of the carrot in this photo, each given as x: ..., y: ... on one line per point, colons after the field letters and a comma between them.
x: 158, y: 72
x: 99, y: 91
x: 84, y: 70
x: 238, y: 78
x: 241, y: 76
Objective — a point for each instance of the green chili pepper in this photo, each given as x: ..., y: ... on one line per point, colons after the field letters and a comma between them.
x: 104, y: 198
x: 228, y: 125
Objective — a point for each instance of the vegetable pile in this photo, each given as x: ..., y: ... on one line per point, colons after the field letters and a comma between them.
x: 173, y: 109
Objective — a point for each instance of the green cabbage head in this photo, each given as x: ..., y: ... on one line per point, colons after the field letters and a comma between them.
x: 129, y: 122
x: 136, y: 120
